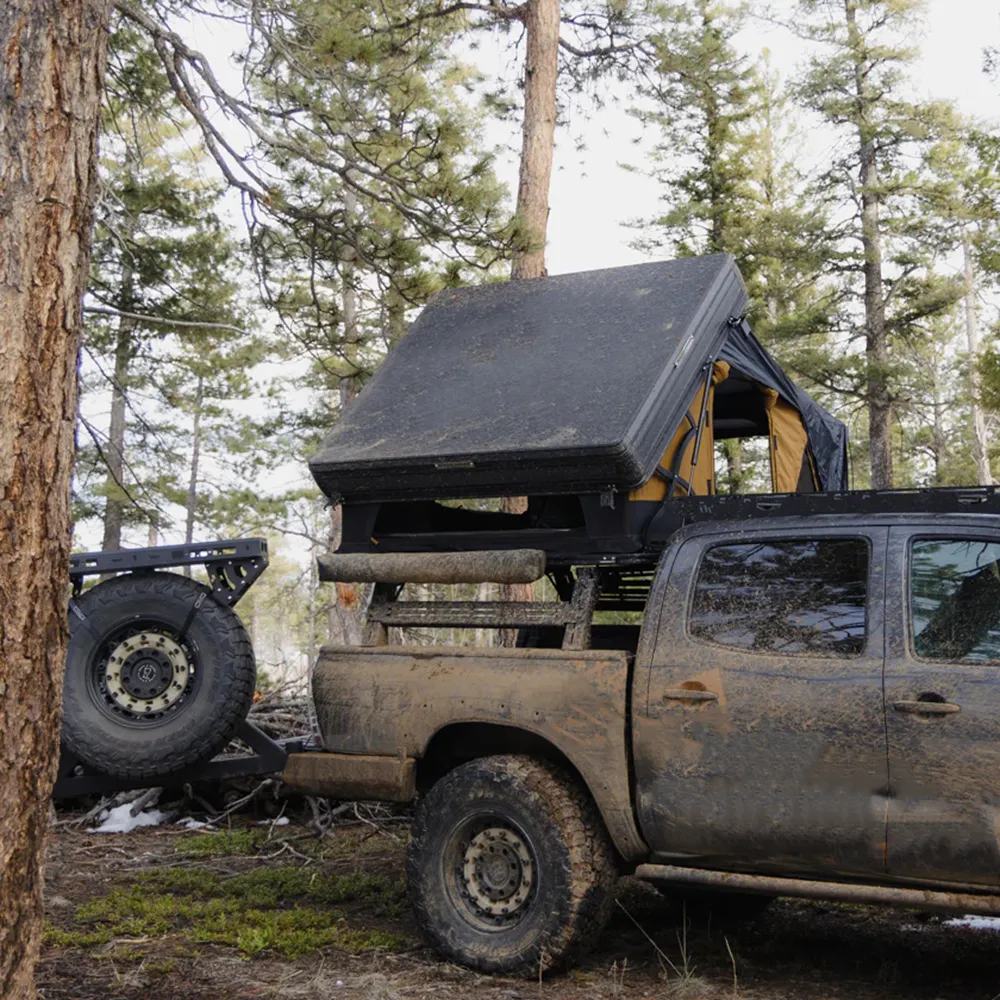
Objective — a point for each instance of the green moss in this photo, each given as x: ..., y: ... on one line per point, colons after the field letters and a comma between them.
x: 291, y: 932
x: 222, y: 843
x: 273, y: 885
x: 57, y: 937
x: 286, y: 909
x: 164, y: 968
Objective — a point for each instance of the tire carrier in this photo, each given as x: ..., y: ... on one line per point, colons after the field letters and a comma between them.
x: 232, y: 567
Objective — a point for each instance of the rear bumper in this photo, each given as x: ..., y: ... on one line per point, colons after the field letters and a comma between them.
x: 352, y: 776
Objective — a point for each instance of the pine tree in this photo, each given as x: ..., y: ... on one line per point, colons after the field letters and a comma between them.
x: 52, y: 58
x: 887, y: 244
x: 164, y: 275
x: 966, y: 196
x: 398, y: 119
x: 701, y: 99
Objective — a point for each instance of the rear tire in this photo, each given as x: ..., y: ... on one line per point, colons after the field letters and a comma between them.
x: 158, y: 676
x: 510, y: 868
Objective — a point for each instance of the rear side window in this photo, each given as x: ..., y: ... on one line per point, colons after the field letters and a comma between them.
x: 797, y: 596
x: 955, y: 599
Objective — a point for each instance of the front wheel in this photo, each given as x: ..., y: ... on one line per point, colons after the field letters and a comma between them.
x: 510, y: 868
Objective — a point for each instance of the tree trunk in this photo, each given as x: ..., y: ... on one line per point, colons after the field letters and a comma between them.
x: 344, y: 616
x: 876, y: 337
x: 52, y: 56
x: 980, y: 443
x: 538, y: 129
x: 114, y: 507
x: 191, y: 502
x: 939, y: 441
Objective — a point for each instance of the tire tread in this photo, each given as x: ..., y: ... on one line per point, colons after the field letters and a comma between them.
x: 117, y: 757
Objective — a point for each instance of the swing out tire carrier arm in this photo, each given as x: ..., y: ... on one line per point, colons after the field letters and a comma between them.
x: 233, y: 565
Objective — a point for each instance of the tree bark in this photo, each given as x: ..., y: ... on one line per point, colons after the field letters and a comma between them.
x: 876, y: 336
x: 538, y: 129
x: 980, y: 442
x: 52, y: 56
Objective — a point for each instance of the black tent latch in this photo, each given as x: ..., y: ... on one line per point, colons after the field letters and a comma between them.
x: 740, y: 323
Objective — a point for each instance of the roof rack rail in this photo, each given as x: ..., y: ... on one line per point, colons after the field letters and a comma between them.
x: 932, y: 500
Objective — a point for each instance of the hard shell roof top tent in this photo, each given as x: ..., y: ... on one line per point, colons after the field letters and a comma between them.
x: 597, y: 395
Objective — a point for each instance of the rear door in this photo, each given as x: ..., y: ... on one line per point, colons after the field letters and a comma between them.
x: 942, y: 687
x: 760, y: 738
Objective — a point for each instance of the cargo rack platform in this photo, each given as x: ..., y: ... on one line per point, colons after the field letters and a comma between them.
x: 613, y: 531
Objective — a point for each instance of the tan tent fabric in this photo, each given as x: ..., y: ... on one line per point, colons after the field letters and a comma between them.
x: 791, y: 467
x: 702, y: 477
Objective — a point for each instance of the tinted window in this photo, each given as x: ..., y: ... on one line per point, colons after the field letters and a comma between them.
x: 794, y: 596
x: 955, y: 599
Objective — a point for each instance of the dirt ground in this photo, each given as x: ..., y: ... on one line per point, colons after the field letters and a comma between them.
x: 271, y: 912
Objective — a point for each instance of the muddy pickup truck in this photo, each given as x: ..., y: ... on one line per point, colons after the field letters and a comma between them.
x: 810, y: 706
x: 785, y: 694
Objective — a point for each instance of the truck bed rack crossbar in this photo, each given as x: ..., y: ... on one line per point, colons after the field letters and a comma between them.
x: 933, y: 500
x: 618, y: 532
x: 575, y: 615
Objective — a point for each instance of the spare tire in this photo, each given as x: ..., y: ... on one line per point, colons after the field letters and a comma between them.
x: 158, y: 676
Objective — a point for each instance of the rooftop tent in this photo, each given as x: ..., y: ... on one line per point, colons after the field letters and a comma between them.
x: 563, y: 384
x: 571, y: 390
x: 826, y: 437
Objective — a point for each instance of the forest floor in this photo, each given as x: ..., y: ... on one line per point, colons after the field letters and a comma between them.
x: 273, y: 912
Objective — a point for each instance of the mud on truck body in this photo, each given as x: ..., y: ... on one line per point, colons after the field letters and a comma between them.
x: 781, y: 694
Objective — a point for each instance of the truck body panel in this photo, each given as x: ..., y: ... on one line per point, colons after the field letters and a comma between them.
x: 393, y: 700
x: 775, y: 758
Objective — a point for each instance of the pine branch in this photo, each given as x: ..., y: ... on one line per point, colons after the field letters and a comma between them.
x: 164, y: 321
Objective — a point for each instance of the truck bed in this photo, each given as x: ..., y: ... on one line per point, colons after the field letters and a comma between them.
x: 403, y: 702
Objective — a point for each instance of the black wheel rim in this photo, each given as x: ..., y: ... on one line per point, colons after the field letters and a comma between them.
x: 143, y: 674
x: 491, y: 872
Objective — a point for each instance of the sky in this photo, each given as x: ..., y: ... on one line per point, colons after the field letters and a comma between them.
x: 591, y: 200
x: 593, y: 194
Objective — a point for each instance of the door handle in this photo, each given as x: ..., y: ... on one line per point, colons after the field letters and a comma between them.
x: 689, y: 694
x: 926, y: 707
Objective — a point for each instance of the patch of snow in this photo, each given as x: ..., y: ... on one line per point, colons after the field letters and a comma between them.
x: 280, y: 821
x: 976, y: 921
x: 119, y: 820
x: 190, y: 823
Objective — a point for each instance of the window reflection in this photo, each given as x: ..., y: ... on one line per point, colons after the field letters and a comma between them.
x: 794, y: 596
x: 955, y: 599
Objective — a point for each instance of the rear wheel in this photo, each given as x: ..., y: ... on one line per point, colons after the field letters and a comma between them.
x: 158, y: 676
x: 510, y: 868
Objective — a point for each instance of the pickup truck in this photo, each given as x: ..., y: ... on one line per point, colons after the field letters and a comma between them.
x: 810, y: 706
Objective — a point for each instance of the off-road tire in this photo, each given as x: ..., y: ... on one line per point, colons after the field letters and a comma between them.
x: 573, y: 861
x: 215, y: 699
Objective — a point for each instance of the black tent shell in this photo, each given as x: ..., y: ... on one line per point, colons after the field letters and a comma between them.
x: 564, y: 384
